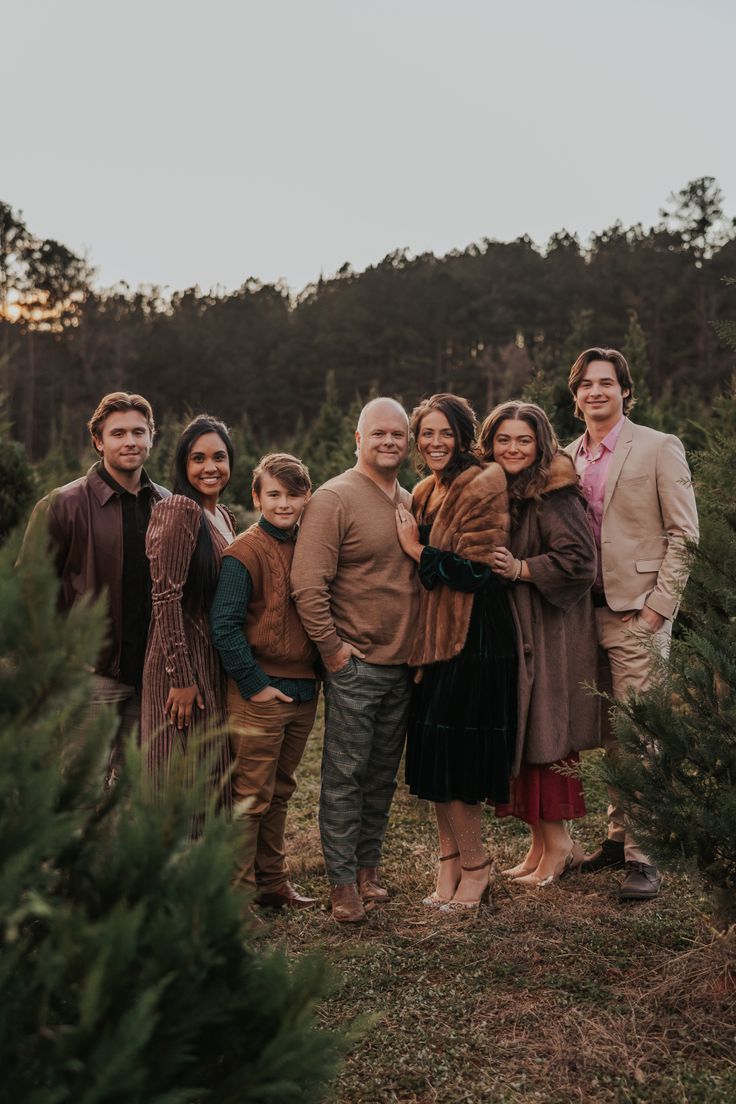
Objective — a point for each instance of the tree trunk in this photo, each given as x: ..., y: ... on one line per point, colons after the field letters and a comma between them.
x: 30, y: 396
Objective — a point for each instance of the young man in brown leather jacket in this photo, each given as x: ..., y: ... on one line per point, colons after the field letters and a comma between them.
x: 97, y: 531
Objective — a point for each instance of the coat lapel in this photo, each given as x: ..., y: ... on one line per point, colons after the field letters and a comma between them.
x: 621, y: 451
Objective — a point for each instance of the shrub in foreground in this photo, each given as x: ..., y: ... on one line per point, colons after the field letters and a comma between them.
x: 679, y: 773
x: 127, y: 970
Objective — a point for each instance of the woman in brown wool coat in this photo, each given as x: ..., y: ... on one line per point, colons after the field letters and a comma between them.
x: 551, y: 566
x: 184, y: 686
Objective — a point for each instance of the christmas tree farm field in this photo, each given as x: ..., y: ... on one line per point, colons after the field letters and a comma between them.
x: 555, y: 995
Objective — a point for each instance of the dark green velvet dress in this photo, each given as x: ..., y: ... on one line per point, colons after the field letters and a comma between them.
x: 462, y: 722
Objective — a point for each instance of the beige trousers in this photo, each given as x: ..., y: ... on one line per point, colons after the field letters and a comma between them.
x: 626, y: 655
x: 268, y: 741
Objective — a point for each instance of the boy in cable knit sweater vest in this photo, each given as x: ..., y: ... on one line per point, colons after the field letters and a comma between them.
x: 272, y: 669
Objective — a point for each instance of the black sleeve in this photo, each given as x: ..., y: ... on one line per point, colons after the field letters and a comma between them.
x: 437, y: 567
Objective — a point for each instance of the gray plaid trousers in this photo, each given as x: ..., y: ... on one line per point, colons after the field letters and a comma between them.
x: 366, y: 711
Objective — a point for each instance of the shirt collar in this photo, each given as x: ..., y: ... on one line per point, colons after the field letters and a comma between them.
x: 609, y: 442
x: 273, y: 531
x: 104, y: 474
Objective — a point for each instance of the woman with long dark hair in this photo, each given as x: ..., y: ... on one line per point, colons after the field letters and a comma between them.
x: 184, y: 692
x: 550, y: 563
x: 462, y: 723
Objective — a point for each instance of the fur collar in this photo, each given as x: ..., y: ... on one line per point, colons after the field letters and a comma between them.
x: 561, y: 474
x: 469, y: 489
x: 472, y: 521
x: 473, y: 517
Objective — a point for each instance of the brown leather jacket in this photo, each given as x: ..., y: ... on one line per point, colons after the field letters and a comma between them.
x: 85, y: 526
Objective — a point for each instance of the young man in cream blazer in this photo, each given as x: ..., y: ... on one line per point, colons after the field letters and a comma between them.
x: 642, y: 510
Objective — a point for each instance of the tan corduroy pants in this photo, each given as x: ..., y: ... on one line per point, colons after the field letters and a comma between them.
x: 268, y: 741
x: 626, y: 655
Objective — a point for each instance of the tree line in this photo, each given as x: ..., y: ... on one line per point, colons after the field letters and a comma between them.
x: 488, y: 321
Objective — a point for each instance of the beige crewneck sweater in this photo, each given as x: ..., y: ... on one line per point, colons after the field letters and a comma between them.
x: 350, y: 579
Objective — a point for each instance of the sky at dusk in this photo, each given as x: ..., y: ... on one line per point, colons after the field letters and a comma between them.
x: 182, y: 143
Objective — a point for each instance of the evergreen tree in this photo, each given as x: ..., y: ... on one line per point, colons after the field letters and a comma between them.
x: 548, y: 385
x: 63, y: 462
x: 328, y: 447
x: 634, y: 349
x: 247, y: 454
x: 128, y: 974
x: 679, y: 770
x: 17, y: 484
x: 160, y: 463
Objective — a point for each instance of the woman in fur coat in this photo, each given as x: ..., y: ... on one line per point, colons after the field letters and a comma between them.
x: 462, y: 722
x: 550, y: 563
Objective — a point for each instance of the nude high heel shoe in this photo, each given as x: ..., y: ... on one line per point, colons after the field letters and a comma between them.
x: 434, y: 900
x: 484, y: 899
x: 571, y: 862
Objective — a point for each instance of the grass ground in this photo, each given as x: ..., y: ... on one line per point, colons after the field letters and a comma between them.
x: 556, y: 996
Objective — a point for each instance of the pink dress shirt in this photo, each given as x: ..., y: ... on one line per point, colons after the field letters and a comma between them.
x: 592, y: 467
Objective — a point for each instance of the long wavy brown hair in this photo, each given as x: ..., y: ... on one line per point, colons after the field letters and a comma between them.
x: 464, y: 426
x: 530, y: 482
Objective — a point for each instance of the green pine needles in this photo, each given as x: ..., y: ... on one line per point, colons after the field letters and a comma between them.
x: 679, y: 773
x: 127, y: 971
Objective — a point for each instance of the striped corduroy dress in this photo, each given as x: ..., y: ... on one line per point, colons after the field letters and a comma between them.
x: 180, y: 652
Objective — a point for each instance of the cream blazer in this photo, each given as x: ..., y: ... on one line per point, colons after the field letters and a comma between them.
x: 649, y: 513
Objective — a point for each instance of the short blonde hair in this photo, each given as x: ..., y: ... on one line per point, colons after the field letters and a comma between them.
x: 119, y: 401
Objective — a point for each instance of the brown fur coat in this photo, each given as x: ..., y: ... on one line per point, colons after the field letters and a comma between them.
x: 472, y: 520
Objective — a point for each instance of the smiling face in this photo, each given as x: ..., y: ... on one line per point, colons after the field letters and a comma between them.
x: 124, y: 442
x: 436, y: 441
x: 514, y: 446
x: 280, y: 506
x: 599, y: 396
x: 383, y: 439
x: 208, y: 467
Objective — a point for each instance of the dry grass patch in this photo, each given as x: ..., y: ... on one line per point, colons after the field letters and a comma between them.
x: 556, y: 996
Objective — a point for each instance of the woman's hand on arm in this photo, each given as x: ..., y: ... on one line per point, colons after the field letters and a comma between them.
x: 505, y: 564
x: 179, y: 704
x: 408, y: 532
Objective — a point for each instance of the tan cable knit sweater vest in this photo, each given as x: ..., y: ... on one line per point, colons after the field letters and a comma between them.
x: 272, y: 626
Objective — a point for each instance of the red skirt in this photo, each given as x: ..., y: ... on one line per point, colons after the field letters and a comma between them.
x: 541, y: 792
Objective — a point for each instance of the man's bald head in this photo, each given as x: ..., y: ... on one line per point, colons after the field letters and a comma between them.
x: 378, y: 407
x: 382, y: 438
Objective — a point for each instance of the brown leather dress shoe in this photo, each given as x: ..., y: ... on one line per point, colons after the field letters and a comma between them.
x: 609, y: 856
x: 347, y: 907
x: 370, y: 887
x: 641, y: 883
x: 286, y: 897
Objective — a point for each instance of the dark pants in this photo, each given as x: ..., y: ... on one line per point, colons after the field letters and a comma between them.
x: 127, y: 702
x: 366, y: 710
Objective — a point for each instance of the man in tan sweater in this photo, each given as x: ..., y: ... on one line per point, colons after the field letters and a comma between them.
x: 357, y: 596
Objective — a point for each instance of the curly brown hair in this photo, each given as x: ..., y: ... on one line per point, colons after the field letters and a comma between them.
x: 530, y: 482
x: 464, y: 426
